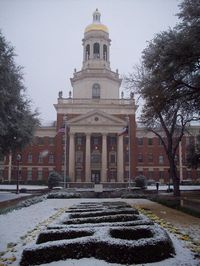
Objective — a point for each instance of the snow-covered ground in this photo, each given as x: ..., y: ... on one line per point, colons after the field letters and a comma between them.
x: 4, y: 196
x: 20, y: 228
x: 152, y: 187
x: 8, y: 195
x: 13, y: 187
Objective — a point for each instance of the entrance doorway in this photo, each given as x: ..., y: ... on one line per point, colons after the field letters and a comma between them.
x: 96, y: 176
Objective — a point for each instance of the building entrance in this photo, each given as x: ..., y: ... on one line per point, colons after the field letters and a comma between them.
x: 96, y: 176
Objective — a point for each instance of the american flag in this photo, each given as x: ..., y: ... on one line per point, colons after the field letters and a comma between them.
x: 124, y: 131
x: 61, y: 129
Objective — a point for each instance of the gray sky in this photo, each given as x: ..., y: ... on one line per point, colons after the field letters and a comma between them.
x: 47, y: 36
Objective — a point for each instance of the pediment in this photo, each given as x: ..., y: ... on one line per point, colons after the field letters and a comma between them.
x: 96, y: 118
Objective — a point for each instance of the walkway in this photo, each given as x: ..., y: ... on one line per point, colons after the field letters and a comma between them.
x: 186, y: 226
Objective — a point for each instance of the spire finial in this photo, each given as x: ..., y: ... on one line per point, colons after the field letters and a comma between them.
x: 96, y: 16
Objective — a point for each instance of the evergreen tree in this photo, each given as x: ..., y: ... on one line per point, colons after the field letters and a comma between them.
x: 17, y: 121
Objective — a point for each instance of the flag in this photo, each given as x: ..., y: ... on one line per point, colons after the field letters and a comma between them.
x: 44, y: 153
x: 61, y: 129
x: 124, y: 131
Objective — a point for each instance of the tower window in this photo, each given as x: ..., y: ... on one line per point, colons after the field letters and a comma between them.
x: 105, y: 57
x: 96, y: 50
x: 96, y: 91
x: 87, y: 55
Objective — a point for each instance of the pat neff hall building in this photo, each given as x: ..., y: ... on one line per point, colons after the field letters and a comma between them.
x: 93, y: 149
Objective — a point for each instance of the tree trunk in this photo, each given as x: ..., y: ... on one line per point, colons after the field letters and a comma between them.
x: 175, y: 178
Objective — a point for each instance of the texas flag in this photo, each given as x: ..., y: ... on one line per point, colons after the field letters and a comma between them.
x: 124, y: 131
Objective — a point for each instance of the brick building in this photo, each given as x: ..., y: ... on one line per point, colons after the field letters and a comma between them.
x: 92, y: 148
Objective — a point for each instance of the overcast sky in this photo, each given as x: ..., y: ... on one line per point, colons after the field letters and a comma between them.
x: 47, y: 36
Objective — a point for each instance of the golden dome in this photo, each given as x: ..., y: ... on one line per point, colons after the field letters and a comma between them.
x: 95, y: 26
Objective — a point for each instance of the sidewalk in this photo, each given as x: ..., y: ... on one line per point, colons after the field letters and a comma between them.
x: 185, y: 223
x: 5, y: 196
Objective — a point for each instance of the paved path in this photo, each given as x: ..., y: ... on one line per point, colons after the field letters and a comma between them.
x: 187, y: 224
x: 5, y: 196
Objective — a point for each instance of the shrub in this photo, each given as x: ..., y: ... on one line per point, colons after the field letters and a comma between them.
x: 23, y: 190
x: 141, y: 181
x: 54, y: 179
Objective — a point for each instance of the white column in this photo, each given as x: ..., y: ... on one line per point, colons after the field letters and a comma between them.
x: 88, y: 159
x: 104, y: 159
x: 71, y: 157
x: 120, y: 160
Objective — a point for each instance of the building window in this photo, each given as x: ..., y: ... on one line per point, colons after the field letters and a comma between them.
x: 150, y: 158
x: 96, y: 50
x: 63, y: 158
x: 112, y: 157
x: 96, y: 91
x: 126, y: 159
x: 63, y: 139
x: 1, y: 174
x: 1, y: 157
x: 112, y: 175
x: 79, y: 140
x: 51, y: 141
x: 40, y: 141
x: 126, y: 140
x: 40, y: 158
x: 139, y: 173
x: 78, y: 173
x: 30, y: 158
x: 51, y: 158
x: 96, y: 157
x: 161, y: 175
x: 40, y: 176
x: 150, y: 141
x: 29, y: 175
x: 95, y: 140
x: 140, y: 141
x: 189, y: 175
x: 161, y: 159
x: 140, y: 158
x: 112, y: 140
x: 79, y: 157
x: 150, y: 175
x: 198, y: 174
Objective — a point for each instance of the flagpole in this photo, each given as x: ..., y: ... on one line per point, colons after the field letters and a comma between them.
x: 129, y: 152
x: 65, y: 151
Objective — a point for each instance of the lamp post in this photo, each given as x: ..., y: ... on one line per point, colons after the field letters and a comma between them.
x: 129, y: 152
x: 18, y: 161
x: 65, y: 151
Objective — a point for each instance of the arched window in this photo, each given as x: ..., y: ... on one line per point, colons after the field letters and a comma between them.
x: 105, y: 53
x: 96, y: 50
x: 96, y: 91
x: 87, y: 54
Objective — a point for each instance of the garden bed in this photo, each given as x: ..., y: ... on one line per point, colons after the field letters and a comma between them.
x: 114, y: 234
